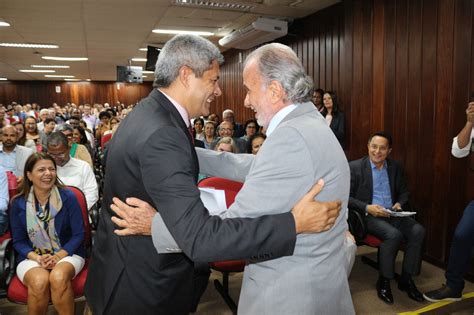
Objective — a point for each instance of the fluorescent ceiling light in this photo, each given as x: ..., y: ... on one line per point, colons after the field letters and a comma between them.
x: 148, y: 72
x: 215, y: 5
x: 3, y: 23
x: 139, y: 59
x: 58, y: 76
x: 3, y: 79
x: 143, y: 49
x: 39, y: 71
x: 144, y: 76
x: 65, y: 58
x: 50, y: 66
x: 27, y: 45
x: 72, y: 79
x: 88, y: 80
x: 175, y: 32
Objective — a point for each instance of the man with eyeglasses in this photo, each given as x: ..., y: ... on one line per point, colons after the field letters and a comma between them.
x: 378, y: 183
x: 226, y: 129
x: 71, y: 171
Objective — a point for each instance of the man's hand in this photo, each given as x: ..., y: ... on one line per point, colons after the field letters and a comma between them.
x: 134, y: 217
x: 397, y: 207
x: 313, y: 216
x: 377, y: 211
x: 470, y: 112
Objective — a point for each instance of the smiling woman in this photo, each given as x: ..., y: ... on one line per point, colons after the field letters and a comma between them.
x: 48, y: 232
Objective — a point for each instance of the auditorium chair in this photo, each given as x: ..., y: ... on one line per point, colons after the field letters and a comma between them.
x: 18, y: 293
x: 231, y: 189
x: 358, y: 228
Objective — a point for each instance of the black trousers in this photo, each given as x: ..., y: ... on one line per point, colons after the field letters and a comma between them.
x: 393, y: 232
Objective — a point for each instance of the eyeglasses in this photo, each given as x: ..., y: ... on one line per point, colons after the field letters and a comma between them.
x: 225, y: 129
x: 58, y: 155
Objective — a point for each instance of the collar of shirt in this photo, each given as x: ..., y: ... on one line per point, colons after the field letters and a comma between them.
x: 276, y: 120
x: 14, y: 149
x: 374, y: 167
x: 182, y: 111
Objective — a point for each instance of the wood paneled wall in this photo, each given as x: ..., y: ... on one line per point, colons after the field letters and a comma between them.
x: 403, y: 66
x: 44, y: 92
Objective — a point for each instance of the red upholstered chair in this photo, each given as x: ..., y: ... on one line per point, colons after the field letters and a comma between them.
x: 358, y: 228
x: 231, y: 189
x: 104, y: 139
x: 18, y: 293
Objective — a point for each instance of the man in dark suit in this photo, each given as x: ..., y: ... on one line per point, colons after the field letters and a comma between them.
x: 378, y: 183
x: 152, y: 157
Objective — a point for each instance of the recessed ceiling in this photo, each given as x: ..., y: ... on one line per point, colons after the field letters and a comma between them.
x: 110, y: 32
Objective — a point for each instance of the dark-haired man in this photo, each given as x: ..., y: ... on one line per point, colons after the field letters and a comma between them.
x: 378, y: 183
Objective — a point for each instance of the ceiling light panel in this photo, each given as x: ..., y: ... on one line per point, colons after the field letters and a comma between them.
x: 50, y: 66
x: 214, y: 5
x: 65, y: 58
x: 175, y: 32
x: 37, y: 70
x: 58, y: 76
x: 28, y: 45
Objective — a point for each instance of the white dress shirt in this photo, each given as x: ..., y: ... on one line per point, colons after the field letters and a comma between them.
x: 79, y: 174
x: 462, y: 152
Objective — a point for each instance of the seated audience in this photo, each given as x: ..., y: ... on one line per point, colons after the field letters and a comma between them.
x: 4, y: 197
x: 31, y: 128
x: 76, y: 150
x: 251, y: 128
x: 21, y: 136
x: 48, y: 233
x: 79, y: 137
x: 214, y: 118
x: 334, y: 117
x: 378, y: 183
x: 209, y: 134
x: 49, y: 125
x: 198, y: 129
x: 226, y: 130
x: 226, y: 144
x: 43, y: 114
x: 463, y: 239
x: 3, y: 119
x: 228, y: 115
x: 71, y: 171
x: 13, y: 156
x: 104, y: 125
x: 255, y: 143
x: 317, y: 99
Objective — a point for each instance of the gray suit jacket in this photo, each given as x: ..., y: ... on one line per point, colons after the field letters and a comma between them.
x: 22, y: 154
x: 301, y: 150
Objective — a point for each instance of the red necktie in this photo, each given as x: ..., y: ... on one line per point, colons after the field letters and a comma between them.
x: 190, y: 129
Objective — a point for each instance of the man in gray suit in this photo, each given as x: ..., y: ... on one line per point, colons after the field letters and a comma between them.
x: 299, y: 150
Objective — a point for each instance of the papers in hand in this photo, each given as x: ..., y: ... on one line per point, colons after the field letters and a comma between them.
x: 213, y: 200
x: 399, y: 213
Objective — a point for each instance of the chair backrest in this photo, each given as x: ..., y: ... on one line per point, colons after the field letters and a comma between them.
x: 104, y: 139
x: 230, y: 187
x: 12, y: 184
x: 85, y: 214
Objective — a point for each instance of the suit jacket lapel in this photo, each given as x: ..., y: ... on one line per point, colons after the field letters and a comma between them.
x: 178, y: 122
x: 369, y: 179
x: 391, y: 179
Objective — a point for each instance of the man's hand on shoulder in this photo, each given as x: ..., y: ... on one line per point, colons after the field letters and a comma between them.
x: 312, y: 216
x: 377, y: 211
x: 133, y: 217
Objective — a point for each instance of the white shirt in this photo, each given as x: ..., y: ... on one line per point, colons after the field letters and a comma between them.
x: 79, y: 174
x: 276, y: 120
x: 462, y: 152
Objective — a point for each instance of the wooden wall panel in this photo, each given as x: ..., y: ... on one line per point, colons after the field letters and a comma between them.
x: 44, y: 92
x: 405, y: 66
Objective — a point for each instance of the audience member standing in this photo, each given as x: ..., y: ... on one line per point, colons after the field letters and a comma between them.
x: 334, y: 116
x: 463, y: 239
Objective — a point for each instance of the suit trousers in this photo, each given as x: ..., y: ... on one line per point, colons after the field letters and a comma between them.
x: 461, y: 249
x: 393, y: 232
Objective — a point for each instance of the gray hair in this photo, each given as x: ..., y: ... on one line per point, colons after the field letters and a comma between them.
x: 227, y: 140
x: 56, y: 138
x: 192, y: 51
x: 278, y: 62
x: 64, y: 127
